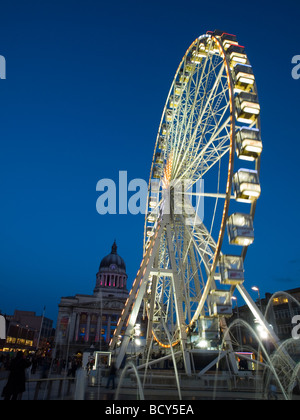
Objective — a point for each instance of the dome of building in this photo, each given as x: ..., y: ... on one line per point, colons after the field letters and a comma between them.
x: 112, y: 273
x: 113, y: 262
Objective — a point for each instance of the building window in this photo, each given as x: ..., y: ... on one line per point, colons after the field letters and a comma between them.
x: 64, y: 326
x: 83, y: 318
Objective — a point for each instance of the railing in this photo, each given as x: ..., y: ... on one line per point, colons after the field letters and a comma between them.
x: 54, y: 388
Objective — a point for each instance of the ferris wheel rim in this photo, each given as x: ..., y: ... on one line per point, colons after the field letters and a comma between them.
x: 172, y: 288
x: 230, y: 163
x: 231, y: 159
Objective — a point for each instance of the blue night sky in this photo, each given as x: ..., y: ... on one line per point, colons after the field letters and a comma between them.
x: 85, y: 89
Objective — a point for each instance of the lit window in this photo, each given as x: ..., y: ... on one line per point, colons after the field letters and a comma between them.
x: 285, y: 300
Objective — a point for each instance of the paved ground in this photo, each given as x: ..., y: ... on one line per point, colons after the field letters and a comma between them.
x: 94, y: 391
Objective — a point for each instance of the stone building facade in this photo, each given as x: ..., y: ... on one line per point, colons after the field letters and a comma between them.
x: 86, y: 321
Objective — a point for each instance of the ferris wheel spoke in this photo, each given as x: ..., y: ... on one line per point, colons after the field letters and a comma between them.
x: 210, y: 195
x: 199, y: 242
x: 194, y: 99
x: 212, y: 159
x: 217, y: 114
x: 205, y: 104
x: 196, y: 241
x: 210, y: 154
x: 202, y: 146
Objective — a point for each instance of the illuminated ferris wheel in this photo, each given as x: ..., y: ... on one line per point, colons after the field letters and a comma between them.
x: 203, y: 188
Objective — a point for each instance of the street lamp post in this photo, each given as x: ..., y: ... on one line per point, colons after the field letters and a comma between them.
x: 238, y: 317
x: 256, y: 289
x: 263, y: 333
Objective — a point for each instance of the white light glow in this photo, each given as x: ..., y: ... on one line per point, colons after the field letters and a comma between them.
x: 262, y: 332
x: 203, y: 344
x: 247, y: 80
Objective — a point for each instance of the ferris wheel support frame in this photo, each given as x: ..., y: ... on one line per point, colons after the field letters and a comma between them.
x: 135, y: 299
x: 137, y: 295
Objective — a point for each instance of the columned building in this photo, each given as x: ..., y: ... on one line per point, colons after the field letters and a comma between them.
x: 86, y: 321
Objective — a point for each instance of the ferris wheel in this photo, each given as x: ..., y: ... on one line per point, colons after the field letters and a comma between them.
x: 203, y: 188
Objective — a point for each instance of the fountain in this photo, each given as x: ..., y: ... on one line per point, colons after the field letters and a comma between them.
x: 275, y: 364
x: 130, y: 365
x: 80, y: 384
x: 268, y: 364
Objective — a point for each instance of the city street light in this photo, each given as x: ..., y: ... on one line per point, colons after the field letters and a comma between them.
x: 256, y: 289
x: 239, y: 327
x: 237, y: 308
